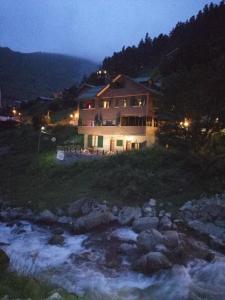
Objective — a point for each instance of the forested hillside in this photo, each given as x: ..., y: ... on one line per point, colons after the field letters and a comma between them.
x: 26, y: 76
x: 195, y: 41
x: 190, y: 63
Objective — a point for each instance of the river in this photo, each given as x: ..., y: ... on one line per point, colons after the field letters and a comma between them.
x: 89, y: 265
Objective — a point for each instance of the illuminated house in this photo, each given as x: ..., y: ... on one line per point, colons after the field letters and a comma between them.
x: 119, y: 116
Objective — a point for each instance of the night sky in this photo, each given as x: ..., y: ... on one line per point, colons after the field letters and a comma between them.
x: 88, y: 28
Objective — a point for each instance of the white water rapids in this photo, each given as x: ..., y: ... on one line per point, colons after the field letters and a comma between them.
x: 79, y: 266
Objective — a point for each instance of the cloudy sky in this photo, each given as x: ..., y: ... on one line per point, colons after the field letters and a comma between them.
x: 88, y: 28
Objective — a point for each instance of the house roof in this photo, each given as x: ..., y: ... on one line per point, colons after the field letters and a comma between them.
x: 138, y: 81
x: 90, y: 93
x: 141, y: 79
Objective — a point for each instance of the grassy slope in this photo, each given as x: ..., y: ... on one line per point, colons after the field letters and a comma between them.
x: 37, y: 180
x: 22, y: 287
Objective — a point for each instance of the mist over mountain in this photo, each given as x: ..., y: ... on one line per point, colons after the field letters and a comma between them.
x: 27, y: 76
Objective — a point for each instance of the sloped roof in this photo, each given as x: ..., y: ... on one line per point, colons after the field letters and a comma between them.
x: 90, y: 93
x: 141, y: 79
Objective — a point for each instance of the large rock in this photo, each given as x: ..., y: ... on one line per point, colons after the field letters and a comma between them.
x: 47, y: 216
x: 128, y: 249
x: 207, y: 228
x: 171, y: 239
x: 128, y: 214
x: 85, y: 206
x: 92, y: 220
x: 4, y: 260
x: 148, y: 239
x: 165, y: 223
x: 152, y: 262
x: 75, y: 208
x: 57, y: 239
x: 145, y: 223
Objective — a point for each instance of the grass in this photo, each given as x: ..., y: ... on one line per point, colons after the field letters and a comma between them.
x: 20, y: 287
x: 40, y: 182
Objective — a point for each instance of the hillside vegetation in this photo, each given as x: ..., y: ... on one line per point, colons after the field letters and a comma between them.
x: 27, y: 76
x: 38, y: 180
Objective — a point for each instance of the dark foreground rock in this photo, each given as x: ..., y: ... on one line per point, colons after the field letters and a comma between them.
x: 145, y: 223
x: 148, y: 239
x: 4, y: 260
x: 128, y: 214
x: 152, y: 262
x: 91, y: 221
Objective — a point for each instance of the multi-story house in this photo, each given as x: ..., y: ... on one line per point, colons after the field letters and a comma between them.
x: 118, y: 116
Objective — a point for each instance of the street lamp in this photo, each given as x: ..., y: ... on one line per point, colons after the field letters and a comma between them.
x: 42, y: 130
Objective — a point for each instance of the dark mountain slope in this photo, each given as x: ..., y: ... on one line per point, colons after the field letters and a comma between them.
x: 26, y: 76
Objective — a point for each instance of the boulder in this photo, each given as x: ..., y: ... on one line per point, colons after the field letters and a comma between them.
x: 65, y: 220
x: 148, y: 239
x: 152, y: 202
x: 56, y: 239
x: 145, y: 223
x: 75, y: 207
x: 85, y: 206
x: 115, y: 210
x: 128, y: 214
x: 187, y: 206
x: 148, y: 210
x: 46, y: 216
x: 152, y: 262
x: 163, y: 249
x: 165, y: 223
x: 4, y: 260
x: 92, y: 220
x: 57, y: 230
x: 128, y: 249
x: 161, y: 213
x: 207, y: 228
x: 171, y: 239
x: 55, y: 296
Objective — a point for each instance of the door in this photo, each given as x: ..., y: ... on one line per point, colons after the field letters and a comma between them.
x: 112, y: 145
x: 128, y: 145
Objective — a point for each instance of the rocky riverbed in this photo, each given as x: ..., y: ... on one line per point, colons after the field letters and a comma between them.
x: 134, y: 253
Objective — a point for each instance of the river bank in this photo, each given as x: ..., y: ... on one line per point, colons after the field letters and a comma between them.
x: 107, y: 252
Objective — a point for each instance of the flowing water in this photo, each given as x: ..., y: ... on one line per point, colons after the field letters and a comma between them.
x: 88, y: 265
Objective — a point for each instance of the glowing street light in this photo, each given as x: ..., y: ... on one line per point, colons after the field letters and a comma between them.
x: 186, y: 123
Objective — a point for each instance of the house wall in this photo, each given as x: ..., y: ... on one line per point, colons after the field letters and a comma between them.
x: 107, y: 140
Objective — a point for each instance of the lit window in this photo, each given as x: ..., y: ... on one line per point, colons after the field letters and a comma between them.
x: 105, y: 103
x: 140, y: 102
x: 125, y: 102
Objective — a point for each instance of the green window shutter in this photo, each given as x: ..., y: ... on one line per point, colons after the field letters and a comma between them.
x: 100, y: 141
x: 89, y: 140
x: 119, y: 143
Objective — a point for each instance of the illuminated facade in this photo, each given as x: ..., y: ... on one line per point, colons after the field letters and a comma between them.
x: 119, y: 116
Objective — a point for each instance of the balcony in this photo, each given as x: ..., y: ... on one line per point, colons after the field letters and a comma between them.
x: 112, y: 130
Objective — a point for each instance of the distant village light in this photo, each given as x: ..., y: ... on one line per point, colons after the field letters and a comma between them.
x: 71, y: 115
x: 14, y: 111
